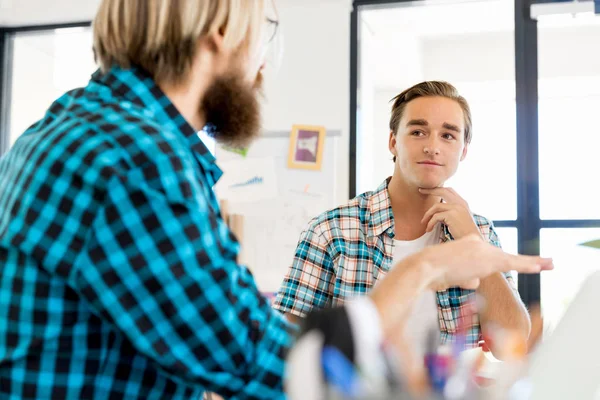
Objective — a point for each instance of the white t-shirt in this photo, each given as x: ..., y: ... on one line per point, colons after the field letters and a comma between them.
x: 424, y: 317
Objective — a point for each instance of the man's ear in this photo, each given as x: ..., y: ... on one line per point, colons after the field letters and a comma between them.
x: 214, y: 41
x: 212, y: 52
x: 392, y: 143
x: 464, y: 152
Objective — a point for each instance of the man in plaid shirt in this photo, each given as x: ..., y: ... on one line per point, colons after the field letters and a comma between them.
x: 118, y: 276
x: 345, y: 251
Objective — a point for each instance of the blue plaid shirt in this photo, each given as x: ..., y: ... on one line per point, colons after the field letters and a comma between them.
x: 118, y: 276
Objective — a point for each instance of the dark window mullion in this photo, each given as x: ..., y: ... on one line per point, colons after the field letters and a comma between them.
x: 528, y: 197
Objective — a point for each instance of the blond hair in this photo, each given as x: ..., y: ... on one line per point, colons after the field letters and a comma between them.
x: 161, y: 35
x: 430, y: 89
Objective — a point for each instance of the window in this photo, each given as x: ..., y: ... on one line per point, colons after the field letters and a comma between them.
x: 569, y: 134
x: 397, y: 50
x: 509, y: 239
x: 569, y: 100
x: 572, y: 263
x: 44, y: 65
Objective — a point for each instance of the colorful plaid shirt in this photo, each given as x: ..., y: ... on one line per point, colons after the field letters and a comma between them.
x: 118, y: 276
x: 345, y: 251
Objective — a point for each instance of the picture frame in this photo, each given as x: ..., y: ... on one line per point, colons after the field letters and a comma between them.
x: 306, y: 147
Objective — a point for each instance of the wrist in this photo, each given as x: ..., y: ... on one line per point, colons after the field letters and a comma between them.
x: 472, y: 232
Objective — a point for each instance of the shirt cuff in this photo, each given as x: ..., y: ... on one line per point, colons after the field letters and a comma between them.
x: 366, y: 329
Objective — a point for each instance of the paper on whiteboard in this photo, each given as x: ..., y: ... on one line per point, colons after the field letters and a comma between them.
x: 273, y: 229
x: 247, y: 180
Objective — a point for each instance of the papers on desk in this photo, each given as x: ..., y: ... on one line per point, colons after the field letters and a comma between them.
x: 247, y: 180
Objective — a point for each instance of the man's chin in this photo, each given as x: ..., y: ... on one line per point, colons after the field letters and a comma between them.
x: 430, y: 185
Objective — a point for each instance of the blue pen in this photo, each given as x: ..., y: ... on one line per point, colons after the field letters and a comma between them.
x: 438, y: 365
x: 339, y: 372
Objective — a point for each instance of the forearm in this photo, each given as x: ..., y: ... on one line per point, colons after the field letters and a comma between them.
x: 394, y: 295
x: 502, y: 307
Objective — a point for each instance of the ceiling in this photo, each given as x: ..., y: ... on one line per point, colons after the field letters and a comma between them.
x: 441, y: 18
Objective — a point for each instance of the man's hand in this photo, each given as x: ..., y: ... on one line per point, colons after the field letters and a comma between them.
x: 460, y: 262
x: 470, y: 259
x: 454, y: 212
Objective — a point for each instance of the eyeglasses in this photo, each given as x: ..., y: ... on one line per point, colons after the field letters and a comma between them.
x: 272, y: 27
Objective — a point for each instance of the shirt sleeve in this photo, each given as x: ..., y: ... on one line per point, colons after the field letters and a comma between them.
x: 492, y: 238
x: 162, y: 270
x: 354, y: 330
x: 366, y: 331
x: 308, y: 282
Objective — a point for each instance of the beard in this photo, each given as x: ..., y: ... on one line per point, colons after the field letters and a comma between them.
x: 232, y: 109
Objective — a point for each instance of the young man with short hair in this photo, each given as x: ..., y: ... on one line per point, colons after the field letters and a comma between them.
x: 344, y: 252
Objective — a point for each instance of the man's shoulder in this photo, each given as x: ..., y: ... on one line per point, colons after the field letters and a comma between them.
x: 344, y: 220
x: 485, y: 225
x: 131, y: 131
x: 482, y: 221
x: 96, y: 136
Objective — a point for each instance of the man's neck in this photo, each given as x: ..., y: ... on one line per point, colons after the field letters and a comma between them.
x: 187, y: 102
x: 187, y: 95
x: 408, y: 206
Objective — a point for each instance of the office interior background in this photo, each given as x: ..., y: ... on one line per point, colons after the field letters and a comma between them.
x: 531, y: 73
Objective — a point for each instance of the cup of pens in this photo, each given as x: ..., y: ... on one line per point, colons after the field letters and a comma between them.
x: 449, y: 370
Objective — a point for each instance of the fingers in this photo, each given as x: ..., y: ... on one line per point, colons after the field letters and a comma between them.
x: 546, y: 264
x: 449, y: 195
x: 440, y: 217
x: 436, y: 208
x: 528, y: 264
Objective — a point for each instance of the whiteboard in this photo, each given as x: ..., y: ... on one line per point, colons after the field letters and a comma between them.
x: 273, y: 225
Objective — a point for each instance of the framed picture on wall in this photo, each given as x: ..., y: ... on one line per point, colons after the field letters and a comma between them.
x: 306, y: 147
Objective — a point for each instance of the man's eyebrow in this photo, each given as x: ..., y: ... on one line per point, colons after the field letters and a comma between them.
x: 451, y: 127
x: 419, y: 122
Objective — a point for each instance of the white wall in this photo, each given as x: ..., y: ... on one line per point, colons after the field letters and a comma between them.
x: 312, y: 85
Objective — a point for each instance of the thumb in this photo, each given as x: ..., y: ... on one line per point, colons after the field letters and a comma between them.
x: 472, y: 284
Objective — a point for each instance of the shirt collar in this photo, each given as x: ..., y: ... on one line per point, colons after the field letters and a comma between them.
x: 381, y: 217
x: 137, y: 86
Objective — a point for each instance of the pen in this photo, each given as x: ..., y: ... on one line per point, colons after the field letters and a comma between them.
x: 438, y: 363
x: 339, y: 372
